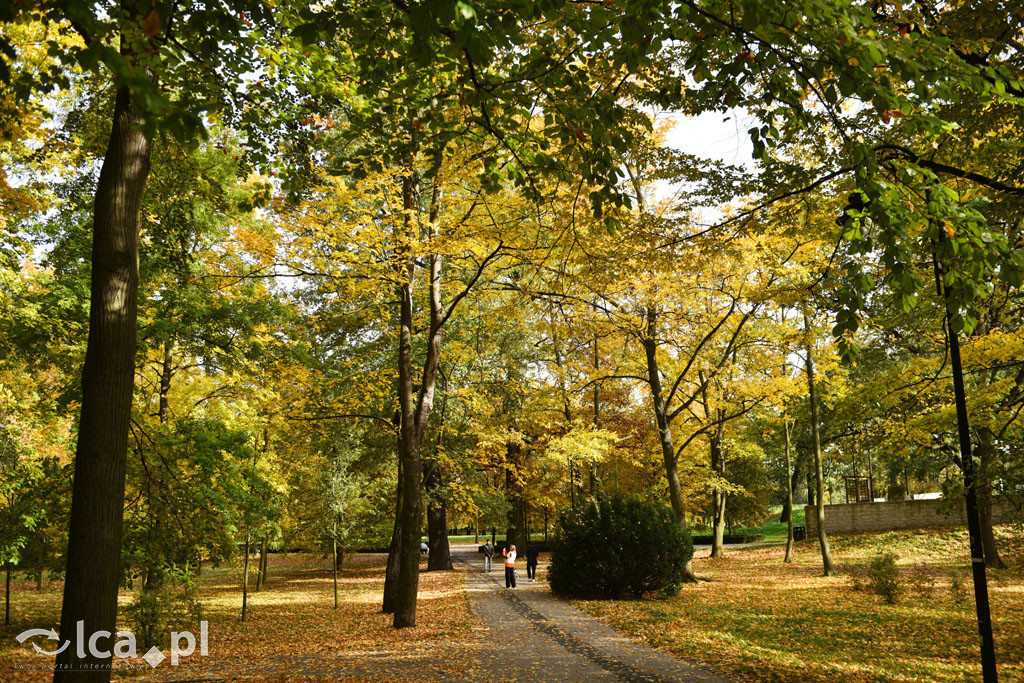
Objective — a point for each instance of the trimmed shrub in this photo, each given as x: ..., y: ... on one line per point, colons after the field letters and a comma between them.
x: 619, y: 546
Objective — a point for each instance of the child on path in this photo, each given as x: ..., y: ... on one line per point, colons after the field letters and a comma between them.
x: 510, y: 566
x: 488, y: 554
x: 531, y: 562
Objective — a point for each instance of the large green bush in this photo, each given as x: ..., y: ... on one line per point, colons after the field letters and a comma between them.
x: 619, y: 546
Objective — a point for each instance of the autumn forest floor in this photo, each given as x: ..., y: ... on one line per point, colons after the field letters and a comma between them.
x: 761, y: 620
x: 756, y: 620
x: 292, y: 632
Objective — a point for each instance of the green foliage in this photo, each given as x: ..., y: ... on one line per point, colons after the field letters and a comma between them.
x: 619, y: 546
x: 172, y: 605
x: 197, y: 487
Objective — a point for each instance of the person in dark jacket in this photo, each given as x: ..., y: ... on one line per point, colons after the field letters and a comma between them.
x: 531, y: 562
x: 488, y: 555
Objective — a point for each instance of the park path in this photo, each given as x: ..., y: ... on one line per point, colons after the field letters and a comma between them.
x: 532, y: 635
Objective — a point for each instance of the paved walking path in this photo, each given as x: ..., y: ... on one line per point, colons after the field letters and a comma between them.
x: 533, y: 635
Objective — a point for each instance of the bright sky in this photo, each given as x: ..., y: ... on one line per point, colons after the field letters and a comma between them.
x: 719, y: 136
x: 714, y: 135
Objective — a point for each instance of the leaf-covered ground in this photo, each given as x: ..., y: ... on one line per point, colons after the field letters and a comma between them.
x: 761, y: 620
x: 292, y: 631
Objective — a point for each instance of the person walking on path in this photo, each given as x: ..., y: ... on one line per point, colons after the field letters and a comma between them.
x: 510, y: 566
x: 488, y: 555
x: 531, y: 562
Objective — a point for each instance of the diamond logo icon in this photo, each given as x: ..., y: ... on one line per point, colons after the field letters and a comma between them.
x: 154, y: 657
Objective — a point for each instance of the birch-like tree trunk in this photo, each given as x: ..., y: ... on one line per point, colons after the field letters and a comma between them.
x: 812, y: 397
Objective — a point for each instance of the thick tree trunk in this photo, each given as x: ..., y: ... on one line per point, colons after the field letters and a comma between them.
x: 7, y: 595
x: 983, y: 485
x: 439, y: 558
x: 826, y: 551
x: 789, y: 495
x: 412, y: 508
x: 39, y: 579
x: 415, y: 411
x: 810, y: 488
x: 97, y: 499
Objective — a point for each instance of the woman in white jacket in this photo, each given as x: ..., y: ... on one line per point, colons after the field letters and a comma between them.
x: 510, y: 566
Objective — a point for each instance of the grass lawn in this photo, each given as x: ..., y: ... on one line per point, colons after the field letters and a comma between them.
x: 773, y: 530
x: 761, y: 620
x: 501, y: 538
x: 291, y: 632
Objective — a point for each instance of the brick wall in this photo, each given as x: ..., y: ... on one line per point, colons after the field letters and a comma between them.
x: 897, y: 514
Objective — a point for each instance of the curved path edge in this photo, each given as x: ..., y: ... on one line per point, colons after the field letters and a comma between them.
x: 531, y: 632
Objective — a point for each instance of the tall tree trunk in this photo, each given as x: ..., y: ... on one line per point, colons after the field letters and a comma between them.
x: 983, y: 477
x: 7, y: 595
x: 261, y: 569
x: 166, y: 374
x: 97, y: 500
x: 668, y: 453
x: 439, y: 558
x: 412, y: 524
x: 789, y: 494
x: 718, y: 496
x: 415, y: 410
x: 334, y: 568
x: 787, y: 506
x: 39, y: 579
x: 245, y: 577
x: 594, y: 482
x: 794, y: 480
x: 515, y: 533
x: 394, y: 568
x: 810, y: 488
x: 266, y: 561
x: 826, y: 551
x: 981, y: 603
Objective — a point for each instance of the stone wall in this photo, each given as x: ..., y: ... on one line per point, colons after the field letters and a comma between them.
x: 897, y: 514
